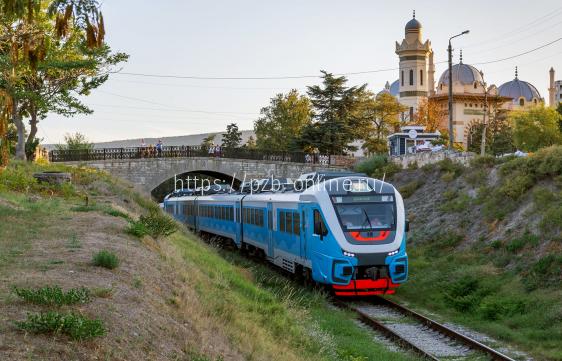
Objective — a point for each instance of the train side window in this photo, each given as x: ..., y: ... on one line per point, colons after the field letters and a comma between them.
x: 296, y: 223
x: 319, y: 226
x: 261, y: 218
x: 270, y: 219
x: 282, y: 221
x: 289, y: 220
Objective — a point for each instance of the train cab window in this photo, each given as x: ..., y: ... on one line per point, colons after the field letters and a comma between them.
x: 296, y: 224
x: 282, y: 221
x: 319, y: 226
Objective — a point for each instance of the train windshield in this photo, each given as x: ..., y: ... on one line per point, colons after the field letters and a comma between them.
x: 372, y: 212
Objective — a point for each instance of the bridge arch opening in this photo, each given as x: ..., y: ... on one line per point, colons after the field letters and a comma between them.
x: 193, y: 179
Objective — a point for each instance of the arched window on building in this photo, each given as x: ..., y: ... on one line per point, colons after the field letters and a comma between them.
x: 421, y: 77
x: 441, y: 86
x: 402, y: 77
x: 521, y: 102
x: 475, y: 85
x: 411, y: 77
x: 535, y: 101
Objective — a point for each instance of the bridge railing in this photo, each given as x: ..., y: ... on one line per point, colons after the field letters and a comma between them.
x: 97, y: 154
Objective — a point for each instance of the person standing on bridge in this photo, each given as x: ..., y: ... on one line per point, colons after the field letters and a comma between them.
x: 159, y: 147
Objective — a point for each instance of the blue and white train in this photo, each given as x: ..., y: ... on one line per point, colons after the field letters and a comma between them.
x: 348, y: 233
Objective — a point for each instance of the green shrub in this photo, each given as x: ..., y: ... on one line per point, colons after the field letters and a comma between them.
x: 546, y: 272
x: 496, y: 244
x: 106, y: 259
x: 378, y: 166
x: 53, y: 295
x: 457, y: 204
x: 117, y: 213
x: 515, y: 187
x: 15, y: 178
x: 477, y: 176
x: 494, y: 307
x: 156, y: 224
x: 480, y: 161
x: 551, y: 222
x: 74, y: 325
x: 465, y: 294
x: 410, y: 188
x: 448, y: 166
x: 369, y: 165
x: 517, y: 244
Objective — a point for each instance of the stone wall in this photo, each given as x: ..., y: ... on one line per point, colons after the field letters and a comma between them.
x: 147, y: 173
x: 424, y: 158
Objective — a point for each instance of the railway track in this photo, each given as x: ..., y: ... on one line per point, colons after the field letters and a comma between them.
x: 429, y: 339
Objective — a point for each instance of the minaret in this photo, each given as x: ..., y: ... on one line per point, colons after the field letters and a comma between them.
x: 431, y: 75
x: 415, y: 81
x: 551, y: 89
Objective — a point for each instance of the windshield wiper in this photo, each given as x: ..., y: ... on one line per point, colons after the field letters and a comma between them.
x: 367, y: 216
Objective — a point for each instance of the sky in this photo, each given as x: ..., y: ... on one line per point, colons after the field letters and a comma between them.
x: 260, y: 38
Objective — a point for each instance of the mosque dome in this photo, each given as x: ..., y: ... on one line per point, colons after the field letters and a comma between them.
x: 392, y: 89
x: 463, y: 73
x: 518, y: 89
x: 395, y: 88
x: 413, y: 25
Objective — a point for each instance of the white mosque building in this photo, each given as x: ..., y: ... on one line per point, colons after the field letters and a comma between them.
x: 416, y: 84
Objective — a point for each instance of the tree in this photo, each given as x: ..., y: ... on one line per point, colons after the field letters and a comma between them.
x: 208, y: 141
x: 559, y: 110
x: 282, y: 122
x: 381, y: 114
x: 232, y: 138
x: 431, y: 115
x: 52, y: 51
x: 76, y: 141
x: 250, y: 143
x: 536, y: 128
x: 334, y: 112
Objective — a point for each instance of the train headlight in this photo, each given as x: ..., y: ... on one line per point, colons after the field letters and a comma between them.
x: 348, y: 254
x: 393, y: 252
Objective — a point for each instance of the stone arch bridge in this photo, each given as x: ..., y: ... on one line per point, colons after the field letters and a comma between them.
x: 148, y: 172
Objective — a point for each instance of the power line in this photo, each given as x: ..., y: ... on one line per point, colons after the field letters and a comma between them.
x: 173, y: 107
x: 518, y: 55
x: 317, y: 76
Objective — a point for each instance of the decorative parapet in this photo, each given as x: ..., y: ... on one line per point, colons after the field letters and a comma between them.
x: 421, y: 159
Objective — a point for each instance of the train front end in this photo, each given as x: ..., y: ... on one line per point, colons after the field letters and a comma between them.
x: 368, y: 226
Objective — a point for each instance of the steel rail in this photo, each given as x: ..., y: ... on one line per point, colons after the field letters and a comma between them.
x: 470, y: 342
x: 378, y: 326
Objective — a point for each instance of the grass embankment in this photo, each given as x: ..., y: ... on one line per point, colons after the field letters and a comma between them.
x: 80, y: 263
x: 486, y: 246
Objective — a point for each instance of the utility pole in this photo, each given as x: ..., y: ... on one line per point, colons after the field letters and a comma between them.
x: 484, y: 122
x: 450, y: 51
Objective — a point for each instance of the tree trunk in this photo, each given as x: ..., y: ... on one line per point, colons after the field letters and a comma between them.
x: 32, y: 132
x: 16, y: 118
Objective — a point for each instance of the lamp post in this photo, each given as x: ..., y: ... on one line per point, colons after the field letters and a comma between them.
x: 484, y: 120
x: 450, y: 50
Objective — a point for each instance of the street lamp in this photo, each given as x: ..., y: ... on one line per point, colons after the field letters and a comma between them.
x: 450, y: 50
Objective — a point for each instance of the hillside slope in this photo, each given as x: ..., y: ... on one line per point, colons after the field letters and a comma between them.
x: 160, y: 298
x: 486, y: 246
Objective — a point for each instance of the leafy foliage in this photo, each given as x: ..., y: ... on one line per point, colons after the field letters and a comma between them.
x: 282, y: 121
x: 334, y: 112
x: 536, y: 128
x: 75, y: 141
x: 380, y: 115
x: 74, y: 325
x: 105, y: 259
x: 53, y: 295
x: 232, y: 138
x: 154, y: 224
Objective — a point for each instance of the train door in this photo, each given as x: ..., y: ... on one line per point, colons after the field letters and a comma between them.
x: 305, y: 225
x: 270, y: 240
x: 238, y: 221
